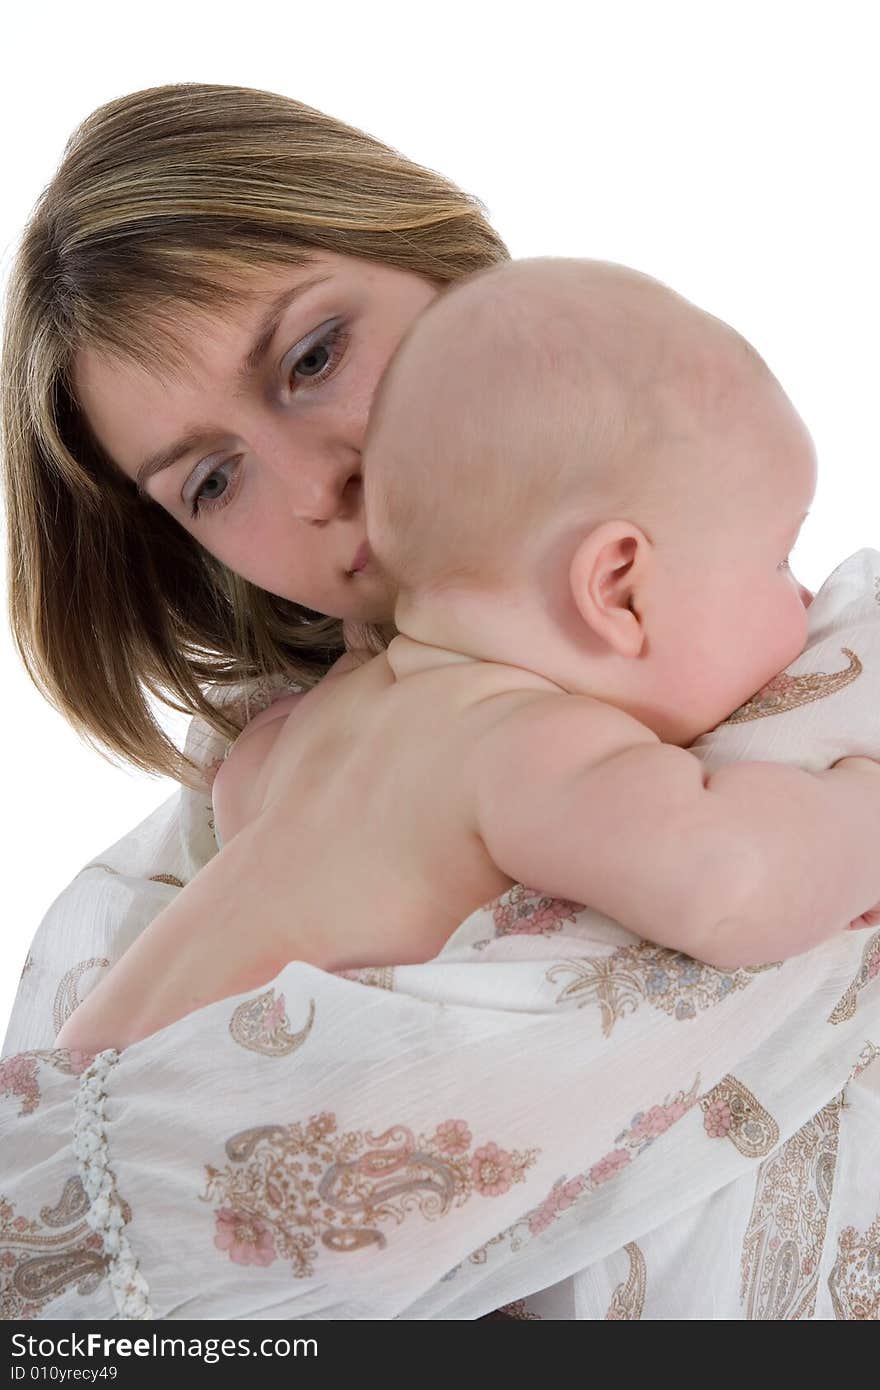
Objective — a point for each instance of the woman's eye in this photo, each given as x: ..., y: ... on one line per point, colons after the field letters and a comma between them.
x: 210, y: 496
x: 321, y: 357
x: 314, y: 361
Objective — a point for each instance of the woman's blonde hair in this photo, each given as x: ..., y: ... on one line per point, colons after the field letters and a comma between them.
x: 165, y: 197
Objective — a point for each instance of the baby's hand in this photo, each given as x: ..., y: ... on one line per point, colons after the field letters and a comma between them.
x: 871, y: 918
x: 867, y: 919
x: 863, y: 764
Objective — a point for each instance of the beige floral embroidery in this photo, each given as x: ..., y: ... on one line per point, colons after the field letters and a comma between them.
x: 40, y: 1259
x: 628, y: 1299
x: 786, y: 1232
x: 210, y: 770
x: 868, y: 970
x: 290, y: 1189
x: 376, y: 976
x: 786, y: 692
x: 66, y: 995
x: 869, y: 1053
x: 257, y: 696
x: 261, y: 1025
x: 170, y: 879
x: 730, y: 1111
x: 620, y: 982
x: 108, y: 868
x: 518, y: 1310
x: 854, y: 1282
x: 19, y: 1073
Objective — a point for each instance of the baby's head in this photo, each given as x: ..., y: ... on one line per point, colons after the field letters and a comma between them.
x: 572, y: 469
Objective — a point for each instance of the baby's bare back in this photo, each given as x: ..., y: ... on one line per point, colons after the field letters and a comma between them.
x: 376, y: 770
x: 396, y: 800
x: 417, y: 788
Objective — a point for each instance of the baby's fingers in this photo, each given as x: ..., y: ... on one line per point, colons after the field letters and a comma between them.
x: 867, y: 919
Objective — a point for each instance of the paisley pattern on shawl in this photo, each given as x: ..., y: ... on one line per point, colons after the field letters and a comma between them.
x: 288, y: 1190
x: 47, y: 1254
x: 549, y: 1107
x: 786, y: 1231
x: 854, y: 1281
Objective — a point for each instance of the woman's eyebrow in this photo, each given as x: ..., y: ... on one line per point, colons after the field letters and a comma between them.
x: 265, y: 332
x: 165, y: 458
x: 268, y: 325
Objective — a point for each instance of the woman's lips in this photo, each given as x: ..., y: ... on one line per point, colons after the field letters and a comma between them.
x: 360, y: 560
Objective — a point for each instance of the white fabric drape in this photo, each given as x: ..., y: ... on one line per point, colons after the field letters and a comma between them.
x: 551, y: 1115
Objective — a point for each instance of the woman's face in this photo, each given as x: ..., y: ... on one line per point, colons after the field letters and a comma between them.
x: 255, y: 446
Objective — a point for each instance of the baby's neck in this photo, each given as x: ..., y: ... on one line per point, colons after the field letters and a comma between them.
x: 518, y: 633
x: 408, y: 656
x: 459, y: 626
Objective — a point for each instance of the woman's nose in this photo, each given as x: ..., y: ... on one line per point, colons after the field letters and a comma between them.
x: 326, y: 490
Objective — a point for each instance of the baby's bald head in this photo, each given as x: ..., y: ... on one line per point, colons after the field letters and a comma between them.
x: 545, y: 395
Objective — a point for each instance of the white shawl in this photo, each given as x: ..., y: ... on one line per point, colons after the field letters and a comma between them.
x: 551, y: 1115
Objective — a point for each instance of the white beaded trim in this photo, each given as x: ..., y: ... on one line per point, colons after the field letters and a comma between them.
x: 130, y: 1288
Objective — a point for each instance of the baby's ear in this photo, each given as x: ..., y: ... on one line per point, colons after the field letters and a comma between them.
x: 605, y: 572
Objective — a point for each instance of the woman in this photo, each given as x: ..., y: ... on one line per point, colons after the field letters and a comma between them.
x: 203, y: 304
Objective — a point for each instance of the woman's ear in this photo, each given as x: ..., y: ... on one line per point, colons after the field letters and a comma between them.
x: 606, y: 571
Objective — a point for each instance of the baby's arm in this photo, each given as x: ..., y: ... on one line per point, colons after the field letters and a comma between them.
x: 755, y: 863
x: 214, y: 939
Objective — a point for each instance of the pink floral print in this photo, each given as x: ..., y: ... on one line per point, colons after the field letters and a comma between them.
x: 291, y: 1192
x: 717, y: 1118
x: 523, y: 912
x: 18, y: 1077
x: 247, y: 1239
x: 19, y: 1073
x: 453, y: 1137
x: 492, y: 1170
x: 609, y: 1165
x: 641, y: 1133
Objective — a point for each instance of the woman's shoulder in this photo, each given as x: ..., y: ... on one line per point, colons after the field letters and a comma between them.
x: 240, y: 775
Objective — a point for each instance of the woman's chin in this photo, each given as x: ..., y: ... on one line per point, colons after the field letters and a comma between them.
x: 376, y: 609
x: 370, y: 598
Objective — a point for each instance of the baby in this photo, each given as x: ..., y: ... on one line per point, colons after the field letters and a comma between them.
x: 587, y: 491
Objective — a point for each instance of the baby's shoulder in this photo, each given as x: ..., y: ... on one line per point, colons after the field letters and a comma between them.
x: 564, y: 731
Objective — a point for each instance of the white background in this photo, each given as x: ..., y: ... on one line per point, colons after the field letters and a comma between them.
x: 728, y: 148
